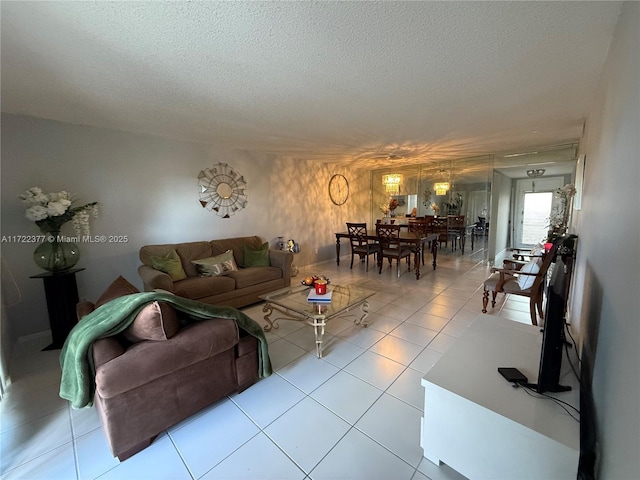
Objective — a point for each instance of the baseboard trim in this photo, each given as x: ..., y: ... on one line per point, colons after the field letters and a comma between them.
x: 34, y: 336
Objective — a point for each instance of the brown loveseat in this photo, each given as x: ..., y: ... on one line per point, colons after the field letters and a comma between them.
x: 162, y: 369
x: 236, y: 288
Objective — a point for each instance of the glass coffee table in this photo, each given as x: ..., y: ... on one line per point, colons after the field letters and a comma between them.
x: 292, y: 302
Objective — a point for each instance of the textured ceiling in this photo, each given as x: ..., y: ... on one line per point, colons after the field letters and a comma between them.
x: 365, y: 82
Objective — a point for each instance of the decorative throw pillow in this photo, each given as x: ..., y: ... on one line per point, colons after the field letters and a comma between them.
x: 215, y: 266
x: 156, y: 321
x: 526, y: 281
x: 256, y: 257
x: 171, y: 264
x: 119, y: 287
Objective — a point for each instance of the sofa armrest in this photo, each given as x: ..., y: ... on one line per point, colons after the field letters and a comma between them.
x: 154, y: 279
x: 148, y: 360
x: 105, y: 350
x: 282, y: 259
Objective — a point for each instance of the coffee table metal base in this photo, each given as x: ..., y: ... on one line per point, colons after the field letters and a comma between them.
x: 318, y: 320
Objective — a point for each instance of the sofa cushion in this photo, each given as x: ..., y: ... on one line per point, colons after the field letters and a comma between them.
x: 218, y: 265
x: 119, y: 287
x: 193, y: 251
x: 511, y: 285
x: 169, y: 263
x: 200, y: 287
x: 526, y: 281
x: 157, y: 321
x: 186, y: 251
x: 236, y: 244
x: 256, y: 257
x: 246, y: 277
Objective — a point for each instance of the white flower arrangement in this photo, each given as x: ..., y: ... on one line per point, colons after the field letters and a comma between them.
x: 559, y: 220
x: 566, y: 192
x: 52, y: 210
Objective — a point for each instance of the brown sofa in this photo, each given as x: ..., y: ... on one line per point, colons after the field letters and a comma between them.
x: 163, y: 369
x: 236, y: 288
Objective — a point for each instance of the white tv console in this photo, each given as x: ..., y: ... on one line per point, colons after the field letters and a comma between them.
x: 480, y: 425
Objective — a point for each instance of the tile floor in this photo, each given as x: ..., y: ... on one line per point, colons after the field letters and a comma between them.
x: 354, y: 414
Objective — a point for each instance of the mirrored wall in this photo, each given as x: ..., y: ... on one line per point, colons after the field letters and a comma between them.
x: 477, y: 187
x: 453, y: 187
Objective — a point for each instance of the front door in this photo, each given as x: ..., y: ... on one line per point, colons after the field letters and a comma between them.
x: 534, y: 204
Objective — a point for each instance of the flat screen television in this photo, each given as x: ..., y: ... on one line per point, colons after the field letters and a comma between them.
x: 553, y: 339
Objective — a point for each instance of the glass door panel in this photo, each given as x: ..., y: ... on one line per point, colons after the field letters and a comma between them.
x: 534, y: 205
x: 535, y: 217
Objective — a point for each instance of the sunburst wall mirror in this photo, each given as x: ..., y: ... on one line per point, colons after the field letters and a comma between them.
x: 222, y: 190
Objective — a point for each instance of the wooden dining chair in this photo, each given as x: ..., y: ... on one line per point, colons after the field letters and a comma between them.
x: 479, y: 229
x: 360, y: 244
x: 455, y: 230
x: 439, y: 226
x: 528, y: 280
x: 419, y: 227
x: 428, y: 221
x: 391, y: 247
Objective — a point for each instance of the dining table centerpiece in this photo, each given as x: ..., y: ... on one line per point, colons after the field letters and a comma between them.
x: 393, y: 204
x: 50, y: 211
x: 384, y: 208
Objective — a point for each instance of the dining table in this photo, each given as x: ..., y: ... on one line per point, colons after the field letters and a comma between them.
x: 417, y: 240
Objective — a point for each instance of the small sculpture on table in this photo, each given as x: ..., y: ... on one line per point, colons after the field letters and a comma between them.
x: 293, y: 247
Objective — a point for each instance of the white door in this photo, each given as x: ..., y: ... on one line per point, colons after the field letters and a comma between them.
x: 534, y: 204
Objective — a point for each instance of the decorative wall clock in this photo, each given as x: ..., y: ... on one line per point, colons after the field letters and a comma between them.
x: 338, y: 189
x: 222, y: 190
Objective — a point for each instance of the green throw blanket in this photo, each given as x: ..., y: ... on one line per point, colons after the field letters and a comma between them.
x: 76, y: 359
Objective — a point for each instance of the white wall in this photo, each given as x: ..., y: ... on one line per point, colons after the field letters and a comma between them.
x: 500, y: 212
x: 147, y: 189
x: 606, y: 302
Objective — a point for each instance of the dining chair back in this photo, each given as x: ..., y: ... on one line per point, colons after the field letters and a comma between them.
x: 439, y: 226
x: 391, y: 246
x: 455, y: 229
x: 418, y: 225
x: 455, y: 221
x: 428, y: 222
x: 360, y: 243
x: 481, y: 227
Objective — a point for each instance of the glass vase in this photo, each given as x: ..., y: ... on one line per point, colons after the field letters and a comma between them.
x: 55, y: 255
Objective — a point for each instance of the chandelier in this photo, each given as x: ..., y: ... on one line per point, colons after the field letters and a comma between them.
x: 392, y: 183
x: 441, y: 188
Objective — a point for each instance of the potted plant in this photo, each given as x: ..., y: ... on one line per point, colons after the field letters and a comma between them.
x: 50, y: 211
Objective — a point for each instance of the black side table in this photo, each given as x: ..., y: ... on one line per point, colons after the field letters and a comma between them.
x: 61, y: 291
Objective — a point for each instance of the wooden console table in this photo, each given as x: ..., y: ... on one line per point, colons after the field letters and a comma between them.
x: 61, y: 292
x: 480, y: 425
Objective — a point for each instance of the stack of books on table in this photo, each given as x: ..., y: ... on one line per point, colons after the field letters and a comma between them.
x: 313, y: 297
